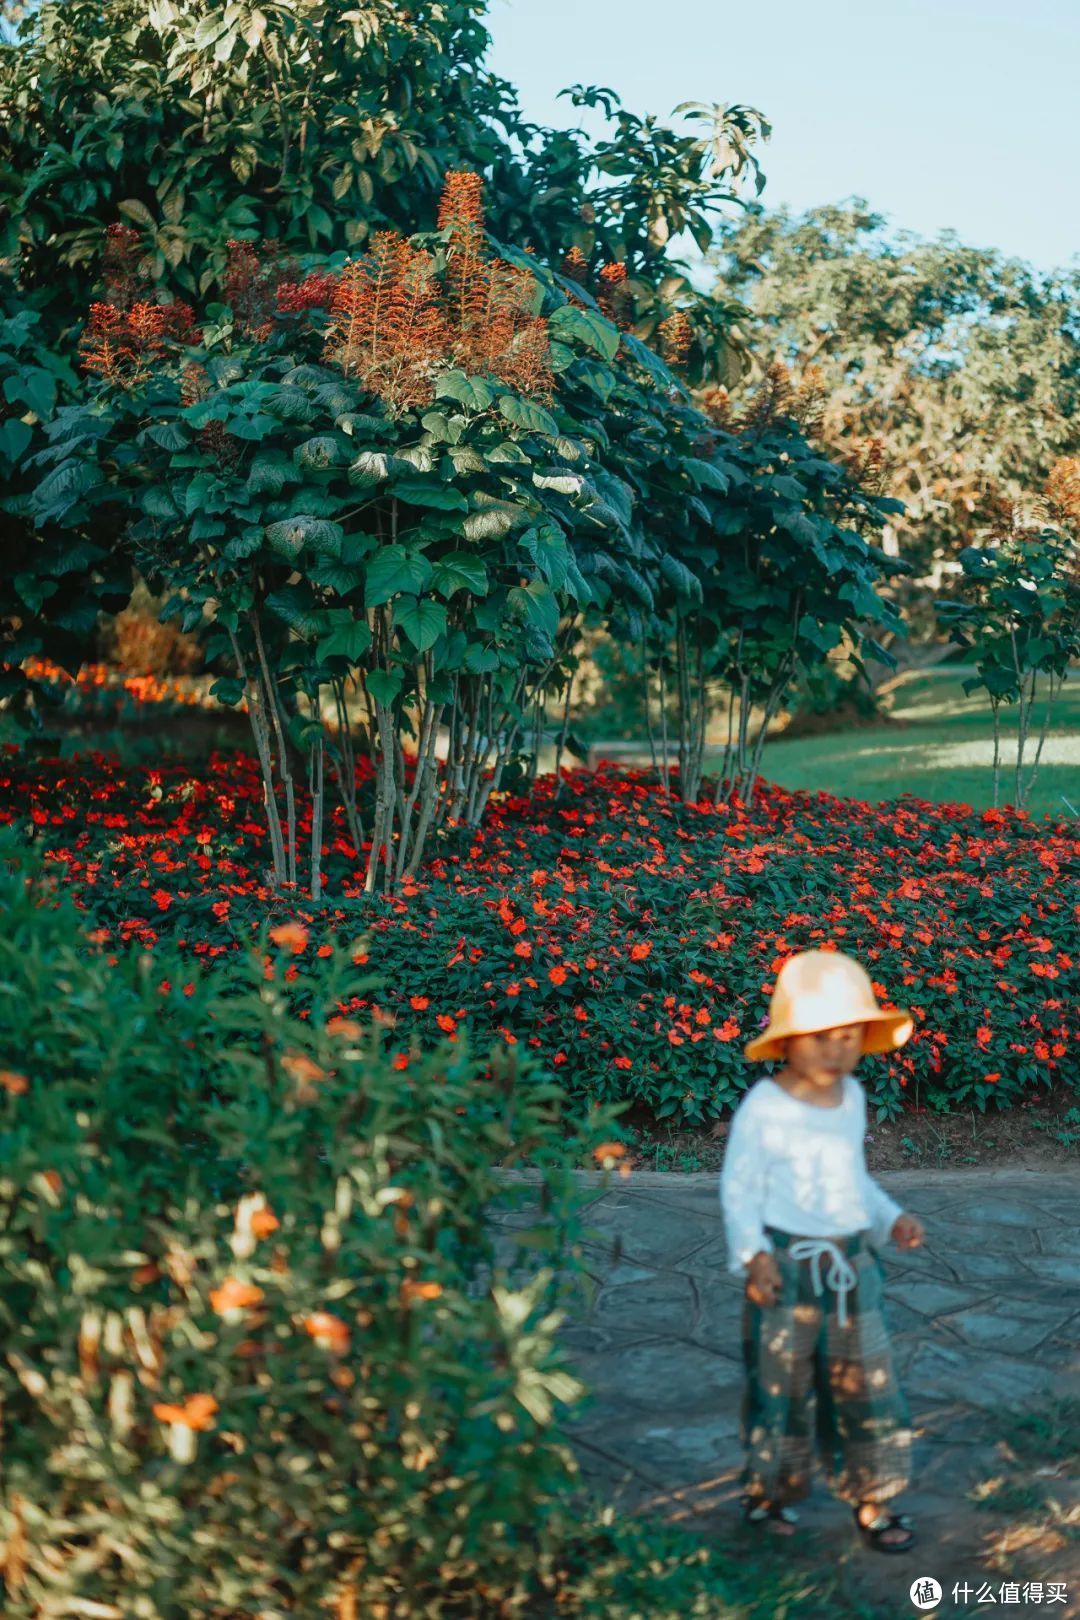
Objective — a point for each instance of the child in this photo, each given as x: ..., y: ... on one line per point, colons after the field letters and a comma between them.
x: 795, y: 1194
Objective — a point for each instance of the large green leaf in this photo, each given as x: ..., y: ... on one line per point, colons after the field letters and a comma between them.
x: 269, y: 474
x: 589, y: 328
x: 290, y: 405
x: 169, y: 435
x: 422, y: 620
x: 428, y: 492
x: 705, y: 475
x: 349, y: 640
x: 480, y: 660
x: 471, y: 391
x: 683, y: 580
x: 374, y: 467
x: 292, y: 604
x: 322, y: 451
x: 524, y: 414
x: 537, y: 604
x: 385, y: 684
x: 289, y: 537
x: 459, y: 571
x: 393, y: 569
x: 492, y: 522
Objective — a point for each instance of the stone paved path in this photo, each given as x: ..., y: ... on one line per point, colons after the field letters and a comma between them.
x: 985, y: 1314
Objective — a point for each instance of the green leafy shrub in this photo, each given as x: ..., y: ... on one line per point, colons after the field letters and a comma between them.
x: 248, y: 1366
x: 253, y: 1364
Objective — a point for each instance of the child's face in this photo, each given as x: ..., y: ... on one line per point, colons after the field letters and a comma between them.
x: 821, y: 1058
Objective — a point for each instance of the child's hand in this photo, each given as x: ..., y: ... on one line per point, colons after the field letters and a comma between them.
x: 907, y: 1231
x: 763, y: 1279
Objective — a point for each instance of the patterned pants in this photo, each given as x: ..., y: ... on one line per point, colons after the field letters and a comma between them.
x: 861, y: 1418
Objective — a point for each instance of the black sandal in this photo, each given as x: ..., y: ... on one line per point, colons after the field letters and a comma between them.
x: 884, y: 1521
x: 759, y: 1512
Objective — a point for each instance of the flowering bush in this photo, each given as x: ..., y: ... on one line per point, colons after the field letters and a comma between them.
x: 251, y: 1362
x: 262, y: 1354
x: 629, y: 940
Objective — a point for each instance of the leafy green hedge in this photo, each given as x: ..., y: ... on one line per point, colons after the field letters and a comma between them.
x: 248, y: 1369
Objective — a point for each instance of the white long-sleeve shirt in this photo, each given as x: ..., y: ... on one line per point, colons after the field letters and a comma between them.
x: 799, y: 1167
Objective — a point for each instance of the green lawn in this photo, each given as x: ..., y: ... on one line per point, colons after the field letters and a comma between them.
x: 945, y: 755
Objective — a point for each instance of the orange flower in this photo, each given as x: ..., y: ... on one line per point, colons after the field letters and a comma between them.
x: 410, y: 1290
x: 329, y: 1332
x: 196, y: 1413
x: 418, y: 1003
x: 348, y: 1027
x: 14, y: 1083
x: 557, y: 975
x: 234, y: 1295
x: 639, y: 952
x: 263, y: 1222
x: 301, y: 1068
x: 446, y: 1023
x: 290, y: 935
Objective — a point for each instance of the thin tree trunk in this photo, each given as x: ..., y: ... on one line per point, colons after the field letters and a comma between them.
x: 995, y: 704
x: 344, y: 757
x: 427, y: 801
x: 744, y: 721
x: 1042, y: 735
x: 424, y: 754
x: 466, y: 746
x: 1017, y: 799
x: 771, y: 706
x: 316, y: 817
x: 283, y: 755
x: 648, y: 703
x: 563, y: 731
x: 534, y: 764
x: 663, y: 726
x: 261, y: 733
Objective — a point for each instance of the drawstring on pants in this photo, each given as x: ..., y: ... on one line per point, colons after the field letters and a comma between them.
x: 841, y: 1275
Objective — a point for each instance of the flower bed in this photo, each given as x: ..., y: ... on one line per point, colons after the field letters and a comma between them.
x: 629, y: 940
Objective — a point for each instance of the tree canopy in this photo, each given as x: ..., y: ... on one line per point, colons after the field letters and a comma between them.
x: 963, y: 362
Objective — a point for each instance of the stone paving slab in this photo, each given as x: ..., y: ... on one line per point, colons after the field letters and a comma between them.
x: 985, y: 1315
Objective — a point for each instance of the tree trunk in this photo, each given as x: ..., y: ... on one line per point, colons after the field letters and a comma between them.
x: 316, y: 818
x: 283, y: 754
x: 261, y: 733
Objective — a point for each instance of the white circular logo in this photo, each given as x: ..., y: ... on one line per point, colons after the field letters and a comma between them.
x: 925, y: 1592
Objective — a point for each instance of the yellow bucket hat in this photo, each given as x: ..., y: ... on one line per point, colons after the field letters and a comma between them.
x: 818, y: 990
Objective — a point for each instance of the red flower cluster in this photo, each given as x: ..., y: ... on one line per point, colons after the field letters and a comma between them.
x: 632, y: 940
x: 121, y: 345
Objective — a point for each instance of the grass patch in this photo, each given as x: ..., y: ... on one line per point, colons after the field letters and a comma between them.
x: 944, y: 753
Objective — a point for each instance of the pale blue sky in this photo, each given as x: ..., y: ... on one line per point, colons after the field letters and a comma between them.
x: 941, y: 113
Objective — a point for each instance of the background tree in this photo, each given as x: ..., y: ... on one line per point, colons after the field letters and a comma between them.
x: 964, y: 363
x: 1019, y: 610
